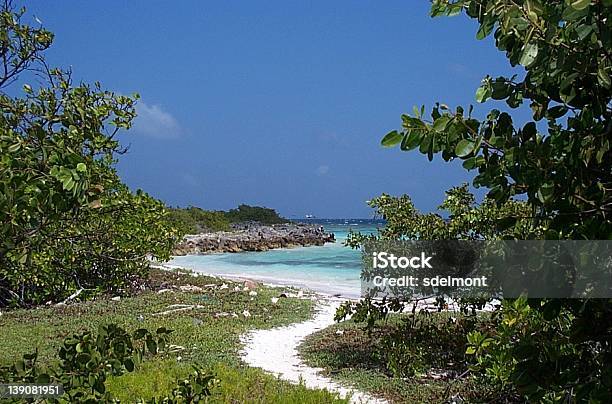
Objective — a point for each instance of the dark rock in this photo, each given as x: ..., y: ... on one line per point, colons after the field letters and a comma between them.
x: 254, y: 237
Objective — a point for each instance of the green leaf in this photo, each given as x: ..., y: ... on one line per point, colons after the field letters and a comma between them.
x: 485, y: 28
x: 584, y: 30
x: 151, y: 345
x: 470, y: 163
x: 603, y: 78
x: 556, y: 112
x: 68, y: 184
x: 440, y: 124
x: 530, y: 52
x: 530, y: 130
x: 426, y: 143
x: 464, y: 148
x: 539, y: 109
x: 500, y: 90
x: 391, y: 139
x: 432, y: 147
x: 81, y: 167
x: 129, y: 364
x: 578, y: 4
x: 571, y: 14
x: 483, y: 93
x: 412, y: 139
x: 546, y: 191
x: 496, y: 141
x: 454, y: 9
x: 43, y: 379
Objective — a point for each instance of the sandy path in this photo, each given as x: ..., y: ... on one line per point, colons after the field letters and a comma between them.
x: 275, y: 351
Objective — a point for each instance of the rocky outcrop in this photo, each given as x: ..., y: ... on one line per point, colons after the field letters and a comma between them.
x: 254, y: 237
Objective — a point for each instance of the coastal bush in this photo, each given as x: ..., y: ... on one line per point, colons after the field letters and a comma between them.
x: 541, y: 349
x: 246, y: 213
x: 193, y: 220
x: 86, y: 361
x: 564, y: 171
x: 464, y: 219
x: 204, y: 336
x: 549, y: 350
x: 67, y: 223
x: 458, y: 217
x: 421, y: 342
x: 408, y: 358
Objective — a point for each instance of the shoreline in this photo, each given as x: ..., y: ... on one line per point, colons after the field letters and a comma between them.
x: 266, y: 281
x: 275, y: 350
x: 325, y: 287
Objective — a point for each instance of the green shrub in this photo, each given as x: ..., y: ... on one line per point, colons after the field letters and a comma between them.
x: 67, y: 223
x: 193, y: 220
x: 546, y: 361
x: 422, y: 342
x: 551, y: 350
x: 86, y: 361
x: 246, y: 213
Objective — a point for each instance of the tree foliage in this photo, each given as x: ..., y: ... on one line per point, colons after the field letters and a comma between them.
x: 194, y: 220
x: 247, y: 213
x: 559, y: 162
x: 459, y: 217
x: 465, y: 220
x: 66, y: 220
x: 564, y: 48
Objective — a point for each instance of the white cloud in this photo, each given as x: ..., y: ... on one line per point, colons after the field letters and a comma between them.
x: 322, y: 169
x: 190, y: 180
x: 333, y: 139
x: 153, y: 121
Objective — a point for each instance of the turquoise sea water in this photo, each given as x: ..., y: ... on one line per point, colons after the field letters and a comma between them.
x: 332, y: 268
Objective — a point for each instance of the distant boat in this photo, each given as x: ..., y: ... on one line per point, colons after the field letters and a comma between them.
x: 310, y: 216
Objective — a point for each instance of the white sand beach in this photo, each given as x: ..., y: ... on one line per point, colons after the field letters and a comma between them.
x: 275, y: 351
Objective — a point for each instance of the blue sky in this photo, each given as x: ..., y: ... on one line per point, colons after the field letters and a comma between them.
x: 274, y: 103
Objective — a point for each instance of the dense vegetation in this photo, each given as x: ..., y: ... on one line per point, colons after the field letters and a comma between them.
x: 407, y: 358
x: 246, y: 213
x: 540, y: 349
x: 206, y: 335
x: 193, y: 220
x: 88, y: 360
x: 67, y: 223
x: 427, y: 345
